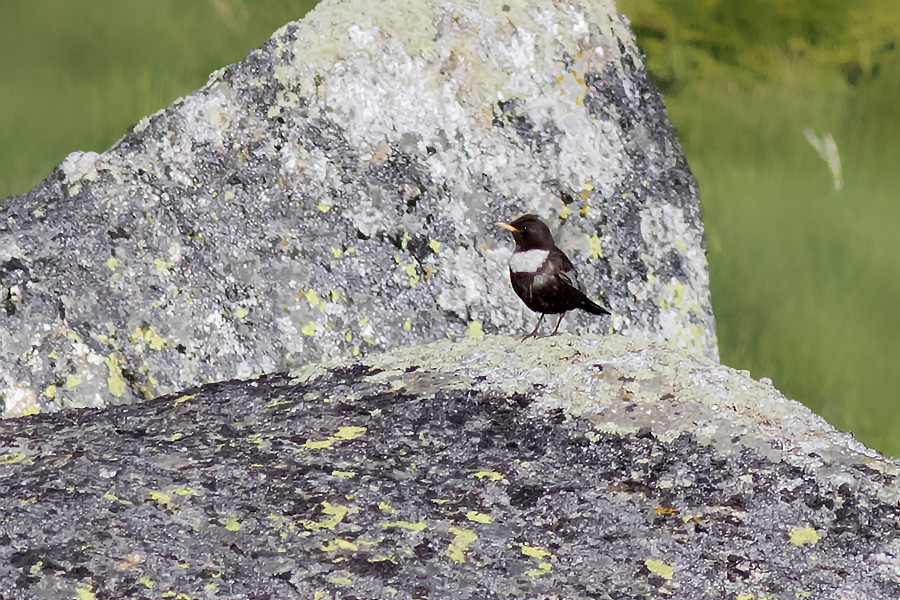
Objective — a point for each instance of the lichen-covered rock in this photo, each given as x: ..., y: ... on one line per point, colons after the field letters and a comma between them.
x: 337, y: 192
x: 566, y: 467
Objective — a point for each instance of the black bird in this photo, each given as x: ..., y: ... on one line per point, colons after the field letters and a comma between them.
x: 542, y: 275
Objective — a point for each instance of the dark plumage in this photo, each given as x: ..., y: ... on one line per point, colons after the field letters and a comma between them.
x: 542, y: 275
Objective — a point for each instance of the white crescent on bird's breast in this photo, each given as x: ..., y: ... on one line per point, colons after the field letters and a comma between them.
x: 527, y: 261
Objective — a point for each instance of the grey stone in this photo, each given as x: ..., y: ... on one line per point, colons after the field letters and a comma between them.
x: 336, y: 192
x: 566, y: 467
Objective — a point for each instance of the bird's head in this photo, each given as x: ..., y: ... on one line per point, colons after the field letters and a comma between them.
x: 530, y: 233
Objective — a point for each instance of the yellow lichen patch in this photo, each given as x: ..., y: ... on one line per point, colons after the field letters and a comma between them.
x: 114, y: 381
x: 241, y: 313
x: 112, y: 262
x: 31, y: 409
x: 50, y: 391
x: 674, y: 294
x: 72, y: 382
x: 435, y: 246
x: 474, y: 330
x: 534, y: 551
x: 478, y: 517
x: 276, y: 402
x: 336, y: 514
x: 85, y: 593
x: 150, y: 337
x: 407, y: 325
x: 319, y: 444
x: 339, y: 544
x: 420, y: 526
x: 344, y: 474
x: 184, y: 398
x: 336, y: 252
x: 385, y: 506
x: 113, y: 498
x: 312, y: 297
x: 161, y: 498
x: 658, y: 567
x: 14, y: 458
x: 309, y: 328
x: 803, y: 535
x: 461, y: 540
x: 70, y: 335
x: 666, y: 511
x: 595, y: 248
x: 162, y: 266
x: 492, y: 475
x: 412, y: 274
x: 323, y: 207
x: 231, y: 524
x: 542, y: 569
x: 349, y: 432
x: 340, y: 579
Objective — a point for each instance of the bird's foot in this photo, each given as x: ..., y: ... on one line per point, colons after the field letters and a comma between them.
x: 535, y: 330
x: 558, y: 321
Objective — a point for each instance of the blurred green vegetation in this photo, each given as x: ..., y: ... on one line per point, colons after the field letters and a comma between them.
x: 75, y: 74
x: 805, y: 278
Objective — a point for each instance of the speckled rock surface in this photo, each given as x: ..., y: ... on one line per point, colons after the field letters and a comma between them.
x: 568, y: 467
x: 336, y: 192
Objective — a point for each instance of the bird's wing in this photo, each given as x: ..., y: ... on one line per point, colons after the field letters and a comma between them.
x: 566, y: 270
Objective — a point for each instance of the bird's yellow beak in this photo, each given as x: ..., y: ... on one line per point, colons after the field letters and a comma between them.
x: 508, y: 227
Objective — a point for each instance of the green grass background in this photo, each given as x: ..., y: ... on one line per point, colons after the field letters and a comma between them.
x: 805, y: 278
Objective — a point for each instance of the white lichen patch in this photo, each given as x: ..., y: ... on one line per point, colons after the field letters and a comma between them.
x: 80, y: 165
x: 388, y: 87
x: 667, y: 232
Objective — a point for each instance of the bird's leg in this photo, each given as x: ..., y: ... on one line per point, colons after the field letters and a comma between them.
x: 534, y: 331
x: 561, y: 315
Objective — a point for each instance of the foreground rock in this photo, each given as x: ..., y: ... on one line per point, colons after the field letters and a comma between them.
x: 558, y: 468
x: 336, y: 192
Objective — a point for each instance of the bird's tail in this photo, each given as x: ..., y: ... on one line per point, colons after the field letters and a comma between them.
x: 592, y: 307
